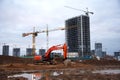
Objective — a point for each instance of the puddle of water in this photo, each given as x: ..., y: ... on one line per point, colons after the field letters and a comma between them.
x: 26, y: 75
x: 46, y: 75
x: 107, y: 71
x: 57, y: 73
x: 38, y: 75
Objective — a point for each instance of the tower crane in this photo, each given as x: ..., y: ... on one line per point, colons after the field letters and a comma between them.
x: 86, y: 12
x: 35, y: 33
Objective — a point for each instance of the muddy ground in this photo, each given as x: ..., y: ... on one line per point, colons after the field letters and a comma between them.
x: 13, y: 65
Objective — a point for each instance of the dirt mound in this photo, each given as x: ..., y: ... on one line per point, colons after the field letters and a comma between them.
x: 11, y: 59
x: 102, y: 62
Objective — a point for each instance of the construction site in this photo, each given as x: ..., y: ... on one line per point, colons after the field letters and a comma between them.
x: 69, y: 70
x: 75, y: 63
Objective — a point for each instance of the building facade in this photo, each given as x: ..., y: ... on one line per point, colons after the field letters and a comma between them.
x: 93, y: 52
x: 78, y: 35
x: 41, y: 52
x: 16, y: 52
x: 29, y: 51
x: 5, y: 50
x: 104, y: 53
x: 98, y: 50
x: 117, y: 55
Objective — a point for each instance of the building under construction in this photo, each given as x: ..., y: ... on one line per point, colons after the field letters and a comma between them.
x: 78, y: 35
x: 5, y: 50
x: 16, y: 52
x: 98, y: 50
x: 29, y: 51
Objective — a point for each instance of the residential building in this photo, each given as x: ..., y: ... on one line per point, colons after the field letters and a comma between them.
x: 93, y: 52
x: 104, y: 54
x: 16, y: 52
x: 29, y: 51
x: 78, y: 35
x: 117, y: 55
x: 98, y: 49
x: 5, y: 50
x: 41, y: 52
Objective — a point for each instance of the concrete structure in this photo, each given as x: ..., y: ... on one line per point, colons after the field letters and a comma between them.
x: 41, y: 52
x: 16, y: 52
x: 29, y: 51
x: 104, y: 54
x: 5, y: 50
x: 78, y: 35
x: 98, y: 49
x: 117, y: 55
x: 93, y: 52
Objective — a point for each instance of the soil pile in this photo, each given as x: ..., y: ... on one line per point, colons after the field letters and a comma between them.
x: 11, y: 59
x: 102, y: 62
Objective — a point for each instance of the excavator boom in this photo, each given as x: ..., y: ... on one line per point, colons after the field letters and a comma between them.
x: 57, y: 47
x: 47, y: 54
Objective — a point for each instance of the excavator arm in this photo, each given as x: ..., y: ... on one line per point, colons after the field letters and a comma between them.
x: 47, y: 54
x: 57, y: 47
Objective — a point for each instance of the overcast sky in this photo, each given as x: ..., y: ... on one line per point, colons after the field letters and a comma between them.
x: 20, y: 16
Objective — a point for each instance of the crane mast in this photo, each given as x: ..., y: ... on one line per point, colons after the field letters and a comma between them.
x: 33, y: 41
x: 34, y: 34
x: 47, y: 37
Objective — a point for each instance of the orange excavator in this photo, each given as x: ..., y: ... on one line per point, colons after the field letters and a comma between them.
x: 46, y: 57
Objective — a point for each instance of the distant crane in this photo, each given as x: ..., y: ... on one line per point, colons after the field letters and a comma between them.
x: 35, y: 33
x: 86, y: 12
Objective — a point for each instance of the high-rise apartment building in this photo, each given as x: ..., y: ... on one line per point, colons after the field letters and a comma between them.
x: 117, y: 55
x: 42, y: 52
x: 6, y: 50
x: 16, y: 52
x: 29, y: 51
x: 78, y: 35
x: 98, y: 50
